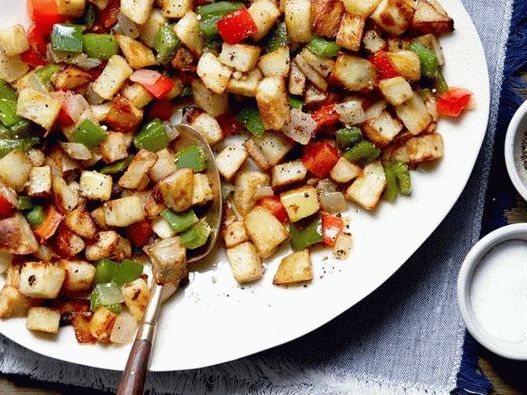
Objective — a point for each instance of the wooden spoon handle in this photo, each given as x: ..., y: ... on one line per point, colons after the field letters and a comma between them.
x: 134, y: 375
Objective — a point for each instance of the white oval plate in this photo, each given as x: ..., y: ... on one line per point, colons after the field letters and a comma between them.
x: 213, y: 320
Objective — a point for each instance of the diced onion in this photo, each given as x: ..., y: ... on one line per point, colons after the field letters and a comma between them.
x: 172, y: 132
x: 301, y: 127
x: 350, y: 112
x: 124, y: 329
x: 263, y: 191
x: 333, y: 202
x: 109, y: 294
x: 126, y: 26
x: 145, y: 76
x: 8, y: 194
x: 76, y: 151
x: 75, y: 106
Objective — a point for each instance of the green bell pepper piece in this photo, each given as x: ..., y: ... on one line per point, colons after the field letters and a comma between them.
x: 208, y: 27
x: 304, y: 237
x: 89, y: 133
x: 179, y: 221
x: 440, y: 83
x: 127, y: 271
x: 105, y: 270
x: 364, y: 151
x: 116, y: 167
x: 191, y: 157
x: 322, y: 47
x: 67, y: 37
x: 100, y: 46
x: 348, y: 137
x: 196, y: 236
x: 45, y: 74
x: 427, y: 58
x: 390, y: 193
x: 6, y: 91
x: 166, y: 43
x: 8, y: 112
x: 403, y: 177
x: 250, y: 117
x: 295, y: 102
x: 115, y: 308
x: 36, y: 216
x: 187, y: 91
x: 152, y: 137
x: 8, y: 145
x: 89, y: 16
x: 278, y: 38
x: 108, y: 294
x: 220, y: 8
x: 95, y: 304
x: 24, y: 203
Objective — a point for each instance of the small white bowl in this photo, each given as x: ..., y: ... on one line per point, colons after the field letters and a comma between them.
x: 508, y: 349
x: 513, y: 150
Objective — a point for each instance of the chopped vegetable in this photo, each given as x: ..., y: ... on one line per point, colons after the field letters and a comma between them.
x: 332, y: 226
x: 67, y: 37
x: 154, y: 82
x: 364, y: 151
x: 179, y: 221
x: 390, y: 193
x: 453, y: 102
x: 236, y: 26
x: 322, y: 47
x: 49, y: 226
x: 275, y: 207
x: 191, y: 157
x: 152, y: 137
x: 46, y: 73
x: 89, y: 133
x: 403, y: 177
x: 196, y: 236
x: 427, y: 58
x: 117, y: 167
x: 383, y: 65
x: 36, y: 216
x: 44, y: 13
x: 100, y: 46
x: 105, y: 270
x: 295, y: 102
x: 302, y: 238
x: 166, y: 43
x: 348, y: 137
x: 140, y: 233
x: 319, y: 158
x: 108, y: 294
x: 24, y: 203
x: 250, y: 118
x: 326, y: 116
x: 127, y: 271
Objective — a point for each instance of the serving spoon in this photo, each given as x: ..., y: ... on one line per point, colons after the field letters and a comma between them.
x: 134, y: 375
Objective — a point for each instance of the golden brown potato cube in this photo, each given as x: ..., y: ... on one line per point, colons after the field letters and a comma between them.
x: 12, y: 68
x: 230, y: 159
x: 188, y: 31
x: 327, y: 16
x: 407, y: 64
x: 17, y: 236
x: 80, y: 222
x: 137, y: 94
x: 298, y: 20
x: 39, y: 181
x: 295, y: 268
x: 367, y: 189
x: 361, y: 8
x: 245, y: 263
x: 79, y: 276
x: 382, y: 129
x: 141, y: 164
x: 256, y: 154
x: 297, y: 80
x: 414, y: 114
x: 419, y: 149
x: 70, y: 77
x: 208, y: 127
x: 234, y: 234
x: 116, y: 72
x: 12, y: 302
x: 350, y: 32
x: 73, y: 8
x: 95, y: 185
x: 342, y: 246
x: 242, y: 57
x: 124, y: 212
x: 210, y: 102
x: 177, y: 189
x: 202, y: 190
x: 288, y: 173
x: 345, y: 171
x: 101, y: 324
x: 396, y: 90
x: 276, y: 63
x: 115, y: 147
x: 13, y: 40
x: 394, y: 16
x: 213, y: 73
x: 43, y: 319
x: 123, y: 115
x: 272, y: 100
x: 373, y: 42
x: 136, y: 295
x: 354, y: 73
x: 300, y: 202
x: 265, y: 231
x: 15, y: 169
x: 430, y: 17
x: 41, y: 280
x: 105, y: 242
x: 137, y: 10
x: 169, y: 261
x: 246, y: 185
x: 264, y: 14
x: 246, y: 84
x: 174, y: 8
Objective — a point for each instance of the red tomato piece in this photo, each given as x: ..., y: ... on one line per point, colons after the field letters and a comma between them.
x: 139, y: 233
x: 230, y: 125
x: 162, y: 109
x: 325, y: 116
x: 331, y: 228
x: 48, y: 228
x: 44, y: 13
x: 32, y: 58
x: 319, y: 158
x: 6, y: 208
x: 154, y: 82
x: 236, y: 27
x: 275, y: 207
x: 453, y: 102
x: 383, y: 65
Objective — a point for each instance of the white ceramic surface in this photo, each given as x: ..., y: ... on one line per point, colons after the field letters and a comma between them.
x: 493, y: 338
x: 514, y: 150
x: 214, y: 320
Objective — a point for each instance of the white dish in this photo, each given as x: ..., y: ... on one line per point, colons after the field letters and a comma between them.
x: 213, y: 320
x: 514, y: 150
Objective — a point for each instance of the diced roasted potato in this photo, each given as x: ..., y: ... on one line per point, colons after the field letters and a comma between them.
x: 116, y: 72
x: 394, y: 16
x: 174, y: 8
x: 13, y: 303
x: 242, y: 57
x: 168, y: 260
x: 362, y: 8
x: 152, y: 207
x: 41, y: 280
x: 396, y: 90
x: 136, y: 295
x: 366, y: 190
x: 13, y: 40
x: 407, y: 64
x: 265, y: 231
x: 76, y: 151
x: 354, y: 73
x: 80, y: 222
x: 298, y: 20
x: 373, y: 42
x: 256, y: 154
x: 15, y: 169
x: 5, y: 261
x: 41, y: 108
x: 245, y: 263
x: 294, y: 268
x: 43, y: 319
x: 326, y: 17
x: 264, y: 13
x: 67, y: 243
x: 213, y: 73
x: 95, y: 186
x: 188, y: 31
x: 345, y: 171
x: 431, y: 17
x: 208, y: 127
x: 164, y: 166
x: 177, y: 189
x: 300, y: 202
x: 274, y: 146
x: 276, y: 63
x: 115, y: 147
x: 246, y: 185
x: 419, y: 149
x: 12, y: 68
x: 74, y: 8
x: 246, y: 84
x: 210, y: 102
x: 137, y: 94
x: 141, y: 164
x: 272, y: 100
x: 124, y: 212
x: 101, y: 324
x: 230, y: 159
x: 105, y: 242
x: 314, y: 95
x: 342, y: 246
x: 123, y: 115
x: 297, y: 80
x: 234, y: 234
x: 414, y: 114
x: 137, y: 10
x: 71, y: 77
x: 136, y: 53
x: 382, y: 129
x: 79, y: 277
x: 36, y: 156
x: 288, y: 173
x: 148, y: 30
x: 320, y: 64
x: 350, y: 31
x: 17, y: 237
x: 39, y: 181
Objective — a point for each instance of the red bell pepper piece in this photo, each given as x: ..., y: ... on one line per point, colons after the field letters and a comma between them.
x: 230, y: 125
x: 6, y: 208
x: 139, y: 233
x: 319, y: 158
x: 64, y: 118
x: 62, y: 242
x: 331, y: 228
x: 275, y: 207
x: 236, y: 26
x: 48, y: 228
x: 325, y: 116
x: 32, y: 58
x: 162, y: 109
x: 37, y: 40
x: 154, y: 82
x: 383, y: 65
x: 44, y: 13
x: 453, y: 102
x: 8, y: 201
